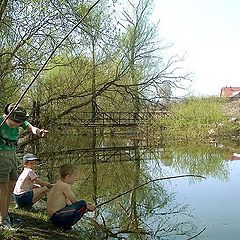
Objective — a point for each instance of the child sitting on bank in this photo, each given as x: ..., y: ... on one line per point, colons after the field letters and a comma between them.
x: 26, y: 193
x: 62, y: 206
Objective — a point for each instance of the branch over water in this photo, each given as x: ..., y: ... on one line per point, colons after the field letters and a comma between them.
x: 150, y: 181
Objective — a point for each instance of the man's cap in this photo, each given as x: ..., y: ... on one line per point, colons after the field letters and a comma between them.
x: 18, y: 115
x: 30, y: 157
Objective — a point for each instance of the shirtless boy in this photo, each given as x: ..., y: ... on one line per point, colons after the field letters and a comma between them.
x: 62, y: 206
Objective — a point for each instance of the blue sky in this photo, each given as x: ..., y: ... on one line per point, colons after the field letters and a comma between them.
x: 207, y: 32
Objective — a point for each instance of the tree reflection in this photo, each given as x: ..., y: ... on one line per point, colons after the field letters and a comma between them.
x: 202, y: 159
x: 150, y: 212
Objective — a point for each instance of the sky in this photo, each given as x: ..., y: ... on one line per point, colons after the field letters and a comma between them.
x: 207, y: 33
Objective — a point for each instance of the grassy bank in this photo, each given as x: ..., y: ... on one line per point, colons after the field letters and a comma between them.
x: 196, y: 119
x: 37, y: 227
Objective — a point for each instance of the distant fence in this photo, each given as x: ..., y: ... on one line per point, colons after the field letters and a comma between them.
x: 107, y: 119
x: 98, y: 119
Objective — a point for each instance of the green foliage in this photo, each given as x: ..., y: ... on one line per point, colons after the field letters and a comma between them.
x: 195, y: 119
x: 108, y: 63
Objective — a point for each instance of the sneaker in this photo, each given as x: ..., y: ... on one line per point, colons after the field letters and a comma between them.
x: 15, y: 222
x: 6, y: 225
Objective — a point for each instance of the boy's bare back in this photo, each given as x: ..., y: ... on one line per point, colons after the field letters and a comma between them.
x: 59, y: 196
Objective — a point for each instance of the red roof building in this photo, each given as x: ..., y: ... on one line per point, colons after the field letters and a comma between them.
x: 230, y: 92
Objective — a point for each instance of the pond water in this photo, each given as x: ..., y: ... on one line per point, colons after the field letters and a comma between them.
x: 181, y: 208
x: 215, y: 203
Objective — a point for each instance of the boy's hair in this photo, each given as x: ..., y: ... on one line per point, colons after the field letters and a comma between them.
x: 66, y: 169
x: 25, y: 162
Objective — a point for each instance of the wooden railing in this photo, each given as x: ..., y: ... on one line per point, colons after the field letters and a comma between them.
x: 110, y: 119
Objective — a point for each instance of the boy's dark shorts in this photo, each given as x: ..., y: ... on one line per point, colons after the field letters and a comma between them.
x: 24, y: 199
x: 69, y: 215
x: 8, y: 166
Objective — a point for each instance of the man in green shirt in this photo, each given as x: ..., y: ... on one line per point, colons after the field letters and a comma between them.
x: 9, y: 136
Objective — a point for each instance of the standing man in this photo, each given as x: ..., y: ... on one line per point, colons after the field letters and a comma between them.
x: 9, y: 136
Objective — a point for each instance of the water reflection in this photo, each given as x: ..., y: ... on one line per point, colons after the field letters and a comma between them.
x: 202, y: 159
x: 150, y: 212
x: 109, y: 166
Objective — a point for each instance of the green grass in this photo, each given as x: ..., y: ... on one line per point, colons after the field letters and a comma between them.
x: 195, y: 119
x: 37, y: 227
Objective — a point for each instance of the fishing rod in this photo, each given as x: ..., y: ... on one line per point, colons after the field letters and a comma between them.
x: 46, y: 62
x: 95, y: 223
x: 150, y: 181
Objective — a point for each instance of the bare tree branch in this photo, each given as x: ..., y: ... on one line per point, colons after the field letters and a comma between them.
x: 146, y: 183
